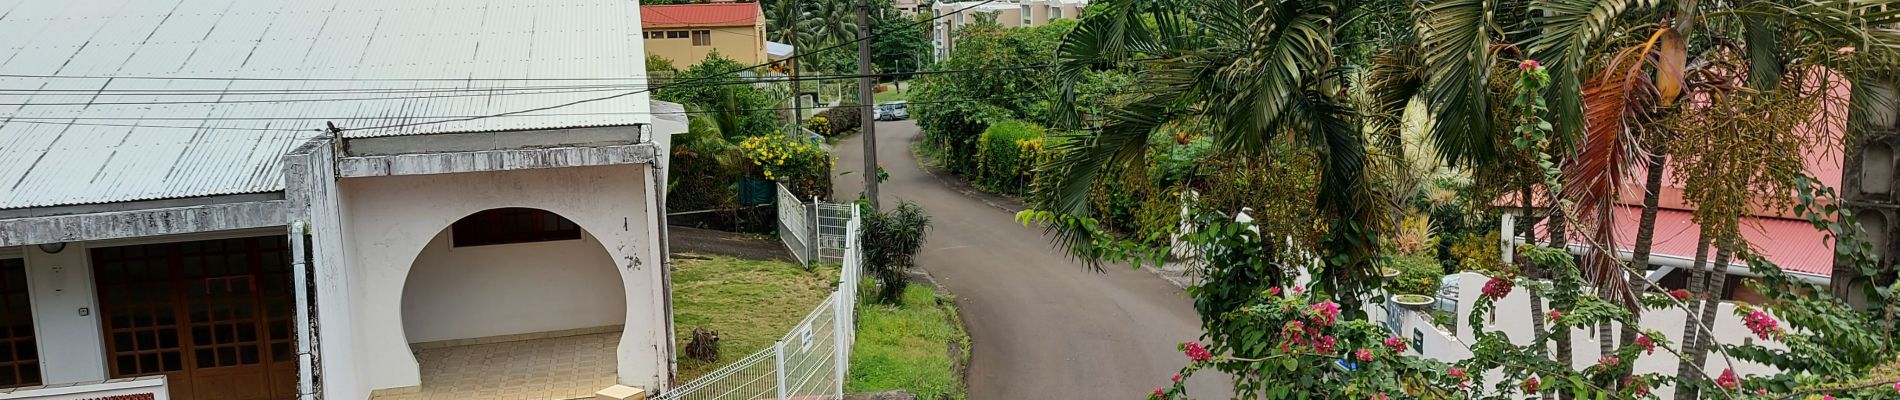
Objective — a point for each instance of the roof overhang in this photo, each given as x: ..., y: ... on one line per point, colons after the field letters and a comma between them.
x: 65, y: 224
x: 494, y: 160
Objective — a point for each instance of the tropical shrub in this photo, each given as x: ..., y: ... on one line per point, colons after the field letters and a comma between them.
x: 891, y: 240
x: 799, y: 163
x: 838, y: 121
x: 717, y: 85
x: 1005, y: 158
x: 1417, y: 274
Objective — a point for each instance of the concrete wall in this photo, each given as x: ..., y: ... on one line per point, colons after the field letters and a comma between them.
x: 391, y: 220
x: 745, y: 44
x: 482, y: 291
x: 1512, y: 317
x: 311, y: 189
x: 71, y: 347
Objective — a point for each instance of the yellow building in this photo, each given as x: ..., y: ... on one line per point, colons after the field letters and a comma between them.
x: 687, y: 33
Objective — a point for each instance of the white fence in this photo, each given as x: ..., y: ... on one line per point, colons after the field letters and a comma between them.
x: 810, y: 361
x: 794, y: 225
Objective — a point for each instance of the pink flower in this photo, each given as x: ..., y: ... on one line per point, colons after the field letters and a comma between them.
x: 1177, y: 378
x: 1637, y: 385
x: 1530, y: 385
x: 1197, y: 353
x: 1497, y: 288
x: 1896, y: 386
x: 1159, y: 394
x: 1325, y: 313
x: 1298, y: 290
x: 1366, y: 355
x: 1528, y: 64
x: 1762, y: 324
x: 1456, y: 372
x: 1727, y: 380
x: 1555, y: 315
x: 1680, y: 294
x: 1761, y: 391
x: 1648, y: 344
x: 1609, y: 361
x: 1825, y: 396
x: 1397, y: 344
x: 1325, y: 344
x: 1378, y: 396
x: 1274, y: 290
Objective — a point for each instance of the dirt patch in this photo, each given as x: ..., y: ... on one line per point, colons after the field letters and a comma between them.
x: 742, y: 245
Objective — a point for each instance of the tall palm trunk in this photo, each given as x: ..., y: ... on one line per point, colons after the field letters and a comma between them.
x: 1697, y: 276
x: 1645, y: 238
x: 1560, y: 240
x: 1711, y: 300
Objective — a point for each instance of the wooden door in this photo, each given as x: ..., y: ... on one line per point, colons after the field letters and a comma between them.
x: 213, y: 316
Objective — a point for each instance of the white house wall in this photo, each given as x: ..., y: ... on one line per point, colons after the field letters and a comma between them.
x: 1512, y: 316
x: 506, y: 289
x: 390, y: 220
x: 71, y: 348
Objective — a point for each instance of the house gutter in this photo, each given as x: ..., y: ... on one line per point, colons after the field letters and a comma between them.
x: 300, y: 282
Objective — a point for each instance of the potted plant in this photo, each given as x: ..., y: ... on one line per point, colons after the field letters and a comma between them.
x: 1413, y: 280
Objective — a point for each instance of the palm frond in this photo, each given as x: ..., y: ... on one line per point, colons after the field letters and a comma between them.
x: 1616, y: 105
x: 1394, y: 80
x: 1568, y: 29
x: 1456, y: 38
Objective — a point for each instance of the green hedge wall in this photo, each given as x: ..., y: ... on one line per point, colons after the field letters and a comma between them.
x: 1006, y: 155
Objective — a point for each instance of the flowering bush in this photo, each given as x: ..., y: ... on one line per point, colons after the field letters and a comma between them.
x: 800, y: 163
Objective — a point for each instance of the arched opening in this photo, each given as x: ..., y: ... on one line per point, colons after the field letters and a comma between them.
x: 520, y: 285
x: 1874, y: 224
x: 1876, y: 169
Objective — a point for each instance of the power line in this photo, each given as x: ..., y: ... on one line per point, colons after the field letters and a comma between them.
x: 484, y: 92
x: 577, y: 102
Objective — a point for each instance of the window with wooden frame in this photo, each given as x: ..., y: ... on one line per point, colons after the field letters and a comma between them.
x: 512, y: 225
x: 675, y: 34
x: 702, y: 38
x: 19, y: 353
x: 656, y: 35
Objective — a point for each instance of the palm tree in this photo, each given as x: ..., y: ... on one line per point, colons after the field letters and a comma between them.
x: 1249, y: 72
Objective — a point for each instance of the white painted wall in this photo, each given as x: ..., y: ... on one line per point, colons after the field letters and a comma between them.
x: 1512, y: 317
x: 71, y: 347
x: 482, y: 291
x: 390, y: 220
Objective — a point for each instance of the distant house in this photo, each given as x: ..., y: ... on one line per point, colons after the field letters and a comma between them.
x: 298, y: 199
x: 687, y: 33
x: 1779, y: 236
x: 1011, y: 14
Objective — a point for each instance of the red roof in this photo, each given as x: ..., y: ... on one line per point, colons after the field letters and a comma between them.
x: 1794, y: 245
x: 697, y: 15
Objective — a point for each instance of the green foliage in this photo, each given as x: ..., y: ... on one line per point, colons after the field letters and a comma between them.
x: 842, y: 120
x: 804, y: 167
x: 1006, y: 154
x: 715, y: 84
x: 953, y: 109
x: 903, y: 347
x: 1417, y: 274
x: 902, y: 45
x: 891, y: 240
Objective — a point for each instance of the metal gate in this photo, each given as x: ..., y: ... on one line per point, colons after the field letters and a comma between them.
x: 832, y: 218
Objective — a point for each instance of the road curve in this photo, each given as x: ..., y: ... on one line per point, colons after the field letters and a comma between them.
x: 1042, y: 326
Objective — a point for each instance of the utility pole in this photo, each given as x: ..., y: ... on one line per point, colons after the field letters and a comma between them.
x: 865, y: 82
x: 798, y: 90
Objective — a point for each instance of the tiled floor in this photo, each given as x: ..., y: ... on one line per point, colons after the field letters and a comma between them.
x: 561, y: 368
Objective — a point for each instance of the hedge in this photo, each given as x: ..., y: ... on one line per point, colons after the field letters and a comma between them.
x: 837, y: 121
x: 1006, y: 155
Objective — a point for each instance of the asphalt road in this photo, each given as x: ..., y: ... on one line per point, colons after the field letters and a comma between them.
x: 1042, y: 326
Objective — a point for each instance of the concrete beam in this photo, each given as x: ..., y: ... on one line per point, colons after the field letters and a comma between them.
x: 494, y: 160
x: 138, y: 223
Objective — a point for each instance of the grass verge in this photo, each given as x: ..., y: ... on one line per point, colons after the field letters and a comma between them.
x: 750, y: 302
x: 890, y: 95
x: 908, y: 346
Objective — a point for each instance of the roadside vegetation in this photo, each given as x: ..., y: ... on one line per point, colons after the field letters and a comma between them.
x: 915, y: 345
x: 750, y: 303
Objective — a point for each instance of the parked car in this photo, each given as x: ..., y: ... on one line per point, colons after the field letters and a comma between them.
x: 892, y: 111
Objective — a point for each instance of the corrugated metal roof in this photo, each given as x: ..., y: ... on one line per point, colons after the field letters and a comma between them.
x: 123, y: 100
x: 702, y: 14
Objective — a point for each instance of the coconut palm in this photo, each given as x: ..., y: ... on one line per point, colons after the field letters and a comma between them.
x: 1249, y: 72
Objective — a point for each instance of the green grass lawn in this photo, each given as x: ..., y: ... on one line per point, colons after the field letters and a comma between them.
x: 750, y: 302
x: 907, y: 347
x: 891, y: 95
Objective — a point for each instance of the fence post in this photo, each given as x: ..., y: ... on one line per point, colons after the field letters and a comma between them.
x: 816, y: 250
x: 778, y: 366
x: 840, y: 329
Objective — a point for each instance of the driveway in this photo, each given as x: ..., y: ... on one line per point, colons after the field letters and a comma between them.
x: 1043, y: 326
